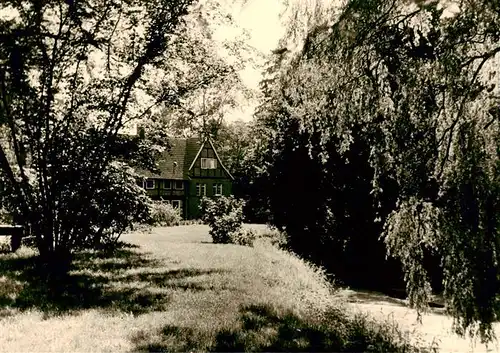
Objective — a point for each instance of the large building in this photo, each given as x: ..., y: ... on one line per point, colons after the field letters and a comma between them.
x: 189, y: 170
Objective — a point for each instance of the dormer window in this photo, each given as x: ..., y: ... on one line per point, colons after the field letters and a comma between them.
x: 208, y: 163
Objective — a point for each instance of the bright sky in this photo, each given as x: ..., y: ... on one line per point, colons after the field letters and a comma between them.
x: 261, y: 19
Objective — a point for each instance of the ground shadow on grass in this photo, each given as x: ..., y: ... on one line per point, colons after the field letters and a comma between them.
x: 263, y: 328
x: 100, y: 279
x: 176, y: 279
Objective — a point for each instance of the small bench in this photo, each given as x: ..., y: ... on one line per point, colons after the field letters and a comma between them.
x: 16, y: 234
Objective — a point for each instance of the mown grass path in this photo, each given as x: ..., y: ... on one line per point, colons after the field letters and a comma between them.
x: 435, y: 325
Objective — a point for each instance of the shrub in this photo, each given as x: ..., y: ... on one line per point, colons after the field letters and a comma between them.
x: 275, y: 238
x: 189, y: 222
x: 224, y: 215
x: 5, y: 216
x: 5, y: 245
x: 163, y: 214
x: 244, y: 237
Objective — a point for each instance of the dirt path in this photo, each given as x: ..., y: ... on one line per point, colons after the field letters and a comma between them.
x: 435, y: 324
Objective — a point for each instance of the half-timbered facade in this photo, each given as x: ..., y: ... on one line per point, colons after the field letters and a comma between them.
x: 189, y: 170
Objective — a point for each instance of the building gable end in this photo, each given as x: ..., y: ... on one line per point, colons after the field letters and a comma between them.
x: 216, y: 156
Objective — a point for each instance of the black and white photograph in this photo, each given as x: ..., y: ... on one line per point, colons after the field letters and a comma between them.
x: 250, y: 176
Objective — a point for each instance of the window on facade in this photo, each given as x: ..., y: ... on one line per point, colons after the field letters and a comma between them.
x: 167, y: 184
x: 179, y: 185
x: 150, y: 184
x: 217, y: 189
x: 208, y: 163
x: 201, y: 189
x: 176, y: 203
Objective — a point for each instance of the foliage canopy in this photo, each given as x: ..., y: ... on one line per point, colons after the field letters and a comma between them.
x: 73, y: 76
x: 415, y: 85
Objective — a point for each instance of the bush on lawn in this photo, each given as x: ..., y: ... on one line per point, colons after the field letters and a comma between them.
x: 164, y: 214
x: 224, y: 215
x: 244, y: 237
x: 6, y: 216
x: 276, y: 238
x: 5, y: 245
x: 190, y: 222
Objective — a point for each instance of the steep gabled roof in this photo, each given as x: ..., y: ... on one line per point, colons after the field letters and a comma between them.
x: 216, y: 156
x: 176, y: 162
x: 193, y: 149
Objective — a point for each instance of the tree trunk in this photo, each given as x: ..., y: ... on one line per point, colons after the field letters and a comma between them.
x: 55, y: 259
x: 56, y: 264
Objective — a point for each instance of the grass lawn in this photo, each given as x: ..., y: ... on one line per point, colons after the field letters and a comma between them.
x: 173, y: 290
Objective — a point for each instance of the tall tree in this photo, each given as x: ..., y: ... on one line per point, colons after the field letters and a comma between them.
x: 416, y: 82
x: 215, y: 60
x: 72, y: 74
x: 237, y: 143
